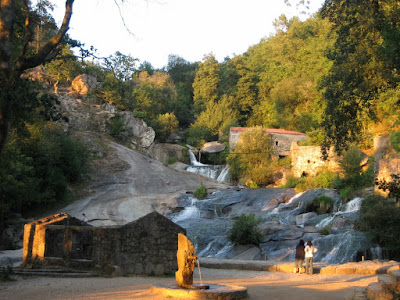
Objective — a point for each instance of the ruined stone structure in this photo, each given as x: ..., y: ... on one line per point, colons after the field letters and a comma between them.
x: 307, y: 160
x: 146, y: 246
x: 281, y: 139
x: 385, y: 164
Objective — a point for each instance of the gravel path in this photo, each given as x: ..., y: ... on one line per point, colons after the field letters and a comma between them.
x: 260, y: 285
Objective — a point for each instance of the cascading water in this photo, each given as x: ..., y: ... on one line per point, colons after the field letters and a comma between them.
x: 209, y: 221
x: 219, y: 173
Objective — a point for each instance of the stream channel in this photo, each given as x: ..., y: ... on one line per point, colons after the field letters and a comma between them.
x: 284, y: 223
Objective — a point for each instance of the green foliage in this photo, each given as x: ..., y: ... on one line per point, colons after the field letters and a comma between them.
x: 35, y: 171
x: 350, y: 162
x: 325, y: 230
x: 381, y: 219
x: 217, y: 116
x: 205, y: 85
x: 117, y: 127
x: 395, y: 140
x: 252, y: 157
x: 200, y: 192
x: 320, y: 205
x: 324, y: 179
x: 362, y: 66
x: 198, y: 135
x: 64, y: 70
x: 154, y: 94
x: 244, y: 230
x: 167, y: 124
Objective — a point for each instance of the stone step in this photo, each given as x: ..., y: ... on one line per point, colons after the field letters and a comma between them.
x: 54, y: 273
x: 375, y: 292
x: 385, y: 281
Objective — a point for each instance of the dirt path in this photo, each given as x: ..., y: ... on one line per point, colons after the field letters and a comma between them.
x: 260, y: 285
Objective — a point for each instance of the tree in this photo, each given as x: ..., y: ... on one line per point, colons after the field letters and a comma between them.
x: 63, y: 69
x: 252, y: 156
x: 16, y: 54
x: 363, y: 65
x: 205, y: 85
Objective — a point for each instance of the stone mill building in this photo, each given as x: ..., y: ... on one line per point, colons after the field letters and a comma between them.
x: 146, y: 246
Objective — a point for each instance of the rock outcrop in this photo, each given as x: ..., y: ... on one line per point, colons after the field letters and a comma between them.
x: 83, y: 84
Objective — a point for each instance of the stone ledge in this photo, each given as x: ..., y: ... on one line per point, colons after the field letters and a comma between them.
x: 360, y: 268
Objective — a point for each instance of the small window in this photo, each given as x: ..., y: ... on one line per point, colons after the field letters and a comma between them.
x: 276, y: 143
x: 308, y: 161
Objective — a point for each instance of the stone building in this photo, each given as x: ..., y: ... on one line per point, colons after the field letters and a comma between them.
x: 281, y: 139
x: 146, y: 246
x: 308, y: 161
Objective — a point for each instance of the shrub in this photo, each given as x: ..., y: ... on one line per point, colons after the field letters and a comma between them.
x: 325, y: 230
x: 291, y: 182
x: 395, y: 140
x: 117, y: 127
x: 321, y: 205
x: 381, y: 218
x: 244, y: 230
x: 350, y: 162
x: 200, y: 192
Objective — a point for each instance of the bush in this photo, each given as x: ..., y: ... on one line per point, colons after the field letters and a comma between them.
x: 321, y: 205
x: 200, y: 192
x: 117, y: 127
x: 395, y: 141
x: 381, y: 218
x: 326, y: 230
x: 244, y: 230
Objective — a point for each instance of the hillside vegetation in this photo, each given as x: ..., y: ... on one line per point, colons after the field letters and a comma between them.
x: 334, y: 76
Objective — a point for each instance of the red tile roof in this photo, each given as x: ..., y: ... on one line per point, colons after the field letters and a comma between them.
x: 269, y: 130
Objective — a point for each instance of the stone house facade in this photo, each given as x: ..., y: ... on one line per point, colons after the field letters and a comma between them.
x: 146, y: 246
x: 281, y: 139
x: 308, y: 161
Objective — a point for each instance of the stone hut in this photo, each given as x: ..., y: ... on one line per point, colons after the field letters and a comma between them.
x: 146, y: 246
x: 281, y: 139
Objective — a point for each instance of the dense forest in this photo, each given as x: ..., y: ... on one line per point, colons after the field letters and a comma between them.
x: 334, y: 76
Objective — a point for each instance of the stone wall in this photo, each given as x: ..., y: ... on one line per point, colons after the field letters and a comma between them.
x: 146, y: 246
x: 307, y: 160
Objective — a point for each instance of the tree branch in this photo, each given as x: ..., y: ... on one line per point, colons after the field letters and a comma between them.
x: 50, y: 48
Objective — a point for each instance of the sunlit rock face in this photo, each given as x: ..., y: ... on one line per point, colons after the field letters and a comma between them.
x: 83, y: 84
x: 186, y: 256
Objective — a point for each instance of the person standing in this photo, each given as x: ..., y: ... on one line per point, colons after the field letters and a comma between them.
x: 84, y: 218
x: 309, y: 253
x: 299, y: 258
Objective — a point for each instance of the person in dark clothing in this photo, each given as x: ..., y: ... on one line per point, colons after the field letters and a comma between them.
x: 299, y: 258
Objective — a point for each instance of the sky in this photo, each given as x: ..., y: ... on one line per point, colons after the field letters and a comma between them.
x: 190, y: 29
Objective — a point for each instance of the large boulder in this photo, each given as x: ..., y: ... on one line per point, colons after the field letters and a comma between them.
x: 140, y: 135
x: 212, y: 147
x: 165, y: 152
x: 83, y: 84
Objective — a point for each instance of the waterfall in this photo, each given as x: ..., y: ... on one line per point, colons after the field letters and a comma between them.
x: 352, y: 206
x: 189, y: 212
x: 219, y: 173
